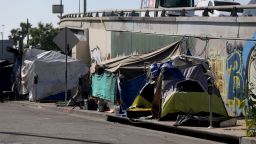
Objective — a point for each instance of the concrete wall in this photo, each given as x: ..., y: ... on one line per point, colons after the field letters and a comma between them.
x: 81, y: 51
x: 99, y: 43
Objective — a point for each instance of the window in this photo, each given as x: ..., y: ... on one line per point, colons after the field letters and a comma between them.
x: 175, y: 3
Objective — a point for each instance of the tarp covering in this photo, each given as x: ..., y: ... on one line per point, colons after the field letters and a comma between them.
x: 48, y: 67
x: 104, y: 86
x: 138, y: 61
x: 128, y: 90
x: 193, y: 103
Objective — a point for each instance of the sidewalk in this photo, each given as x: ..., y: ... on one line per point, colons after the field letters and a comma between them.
x: 227, y: 134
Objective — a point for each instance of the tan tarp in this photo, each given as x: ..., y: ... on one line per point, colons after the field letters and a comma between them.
x: 138, y: 61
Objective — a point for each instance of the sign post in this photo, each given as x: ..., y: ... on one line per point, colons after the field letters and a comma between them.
x: 66, y: 40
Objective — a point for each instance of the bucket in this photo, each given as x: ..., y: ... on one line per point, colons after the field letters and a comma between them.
x: 86, y: 104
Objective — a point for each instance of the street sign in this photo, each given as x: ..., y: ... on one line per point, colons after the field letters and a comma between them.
x: 65, y: 36
x: 66, y: 40
x: 57, y: 8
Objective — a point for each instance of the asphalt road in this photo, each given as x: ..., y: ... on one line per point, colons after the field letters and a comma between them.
x: 25, y: 125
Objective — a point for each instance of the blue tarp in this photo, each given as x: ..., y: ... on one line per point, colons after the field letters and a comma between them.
x: 130, y: 89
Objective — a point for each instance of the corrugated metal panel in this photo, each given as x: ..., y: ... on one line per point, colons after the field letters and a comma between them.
x: 126, y: 43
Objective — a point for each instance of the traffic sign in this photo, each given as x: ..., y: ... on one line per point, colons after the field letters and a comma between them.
x: 65, y: 40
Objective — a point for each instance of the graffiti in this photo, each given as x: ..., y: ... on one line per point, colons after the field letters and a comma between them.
x: 218, y: 71
x: 96, y: 55
x: 252, y: 75
x: 249, y: 64
x: 217, y: 63
x: 235, y: 77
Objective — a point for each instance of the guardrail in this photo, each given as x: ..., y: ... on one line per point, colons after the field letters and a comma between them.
x: 161, y: 12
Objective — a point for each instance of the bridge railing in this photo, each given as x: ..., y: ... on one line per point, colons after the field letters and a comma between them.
x: 160, y: 12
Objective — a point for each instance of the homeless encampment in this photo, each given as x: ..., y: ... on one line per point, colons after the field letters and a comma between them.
x: 181, y: 87
x: 123, y: 77
x: 43, y: 74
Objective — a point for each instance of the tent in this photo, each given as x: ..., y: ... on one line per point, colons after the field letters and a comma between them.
x: 185, y: 89
x: 43, y: 73
x: 130, y: 73
x: 142, y: 104
x: 180, y: 87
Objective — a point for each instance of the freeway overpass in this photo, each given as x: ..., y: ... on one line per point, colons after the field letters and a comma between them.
x: 228, y: 42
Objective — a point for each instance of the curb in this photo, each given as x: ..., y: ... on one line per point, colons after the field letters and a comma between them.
x: 67, y: 110
x: 145, y: 124
x: 176, y: 130
x: 248, y: 140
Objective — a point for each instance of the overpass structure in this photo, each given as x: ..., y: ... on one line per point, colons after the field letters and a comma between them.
x: 227, y: 42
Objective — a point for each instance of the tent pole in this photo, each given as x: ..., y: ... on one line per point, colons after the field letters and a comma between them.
x: 210, y: 92
x: 66, y: 65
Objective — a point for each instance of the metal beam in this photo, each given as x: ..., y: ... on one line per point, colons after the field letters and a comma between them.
x: 85, y: 3
x: 229, y: 7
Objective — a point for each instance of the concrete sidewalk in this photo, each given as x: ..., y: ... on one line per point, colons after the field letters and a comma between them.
x: 232, y: 135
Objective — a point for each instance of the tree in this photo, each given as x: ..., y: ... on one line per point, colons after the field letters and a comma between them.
x: 14, y: 36
x: 18, y: 34
x: 42, y: 36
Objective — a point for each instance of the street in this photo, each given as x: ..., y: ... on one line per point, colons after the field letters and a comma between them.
x: 27, y: 125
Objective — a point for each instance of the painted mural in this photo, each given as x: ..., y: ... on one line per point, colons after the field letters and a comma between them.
x: 234, y: 66
x: 252, y: 76
x: 249, y: 55
x: 217, y: 62
x: 235, y: 75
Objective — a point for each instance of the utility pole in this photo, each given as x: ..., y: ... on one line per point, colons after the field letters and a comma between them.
x: 27, y: 33
x: 85, y: 6
x: 2, y: 33
x: 79, y: 7
x: 62, y: 7
x: 2, y: 40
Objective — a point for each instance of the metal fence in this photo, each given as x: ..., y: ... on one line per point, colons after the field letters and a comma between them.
x: 160, y: 12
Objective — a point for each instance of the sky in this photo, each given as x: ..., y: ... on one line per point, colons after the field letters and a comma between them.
x: 12, y: 12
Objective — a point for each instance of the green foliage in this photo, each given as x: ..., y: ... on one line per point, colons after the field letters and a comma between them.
x: 20, y: 33
x: 14, y: 36
x: 42, y: 36
x: 250, y: 113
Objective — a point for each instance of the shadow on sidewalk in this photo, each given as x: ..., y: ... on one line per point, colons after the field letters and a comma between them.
x: 51, y: 137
